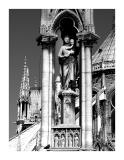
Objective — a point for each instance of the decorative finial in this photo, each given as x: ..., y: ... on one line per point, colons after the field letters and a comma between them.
x: 25, y: 87
x: 25, y: 61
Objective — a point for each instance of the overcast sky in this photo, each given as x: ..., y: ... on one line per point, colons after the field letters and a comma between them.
x: 24, y: 26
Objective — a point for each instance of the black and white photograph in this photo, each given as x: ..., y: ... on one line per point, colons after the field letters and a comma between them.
x: 62, y: 79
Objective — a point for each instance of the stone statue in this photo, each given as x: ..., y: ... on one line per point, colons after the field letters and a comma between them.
x: 57, y: 101
x: 56, y: 141
x: 67, y: 61
x: 76, y: 141
x: 63, y: 141
x: 70, y: 141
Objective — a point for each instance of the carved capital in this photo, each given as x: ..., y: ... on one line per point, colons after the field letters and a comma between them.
x: 46, y: 40
x: 68, y: 93
x: 88, y: 38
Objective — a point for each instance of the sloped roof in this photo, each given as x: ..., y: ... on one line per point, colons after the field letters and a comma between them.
x: 104, y: 58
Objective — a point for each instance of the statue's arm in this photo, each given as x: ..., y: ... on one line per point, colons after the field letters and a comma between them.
x: 67, y: 52
x: 64, y: 52
x: 69, y: 47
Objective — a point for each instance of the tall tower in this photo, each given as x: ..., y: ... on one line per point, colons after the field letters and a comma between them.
x: 24, y: 97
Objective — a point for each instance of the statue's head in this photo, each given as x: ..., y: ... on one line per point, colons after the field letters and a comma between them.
x: 66, y: 39
x: 71, y: 41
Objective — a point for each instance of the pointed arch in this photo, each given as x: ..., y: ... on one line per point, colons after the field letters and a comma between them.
x: 66, y: 14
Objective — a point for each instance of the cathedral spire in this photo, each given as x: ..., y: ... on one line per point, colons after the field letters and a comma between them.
x: 25, y: 87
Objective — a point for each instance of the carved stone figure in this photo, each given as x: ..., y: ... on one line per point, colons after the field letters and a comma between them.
x: 76, y: 141
x: 57, y: 101
x: 70, y: 141
x: 67, y: 61
x: 63, y: 141
x: 56, y: 141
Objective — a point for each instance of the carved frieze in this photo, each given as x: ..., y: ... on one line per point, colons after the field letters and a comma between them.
x: 66, y: 137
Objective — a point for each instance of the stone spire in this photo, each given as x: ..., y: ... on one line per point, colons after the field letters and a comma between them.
x: 25, y: 87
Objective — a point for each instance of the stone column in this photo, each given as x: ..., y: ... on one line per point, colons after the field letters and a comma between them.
x: 103, y: 81
x: 86, y: 39
x: 106, y: 120
x: 109, y: 120
x: 96, y: 122
x: 28, y: 111
x: 44, y: 96
x: 46, y: 41
x: 88, y: 90
x: 82, y: 95
x: 20, y: 110
x: 50, y: 90
x: 24, y: 113
x: 98, y: 113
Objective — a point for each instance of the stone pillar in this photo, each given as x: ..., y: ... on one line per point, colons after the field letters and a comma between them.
x: 20, y: 110
x: 50, y: 91
x: 98, y: 113
x: 103, y: 81
x: 44, y: 96
x: 28, y: 111
x: 86, y: 39
x: 82, y: 95
x: 109, y: 120
x: 88, y: 90
x: 96, y: 126
x: 96, y: 122
x: 46, y: 41
x: 106, y: 120
x: 24, y: 113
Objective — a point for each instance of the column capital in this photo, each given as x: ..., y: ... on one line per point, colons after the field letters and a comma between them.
x: 88, y: 38
x: 46, y: 39
x: 68, y: 92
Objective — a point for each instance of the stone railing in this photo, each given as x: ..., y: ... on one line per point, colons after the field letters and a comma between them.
x: 26, y: 137
x: 103, y: 65
x: 66, y: 137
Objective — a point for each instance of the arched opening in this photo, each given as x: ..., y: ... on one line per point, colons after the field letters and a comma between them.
x: 66, y: 25
x: 66, y: 14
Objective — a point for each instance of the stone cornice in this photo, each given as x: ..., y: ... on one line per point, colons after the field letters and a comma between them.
x: 103, y: 65
x: 88, y: 38
x: 68, y: 92
x: 46, y: 39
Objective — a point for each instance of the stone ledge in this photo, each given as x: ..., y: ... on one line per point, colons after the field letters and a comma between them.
x: 65, y: 126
